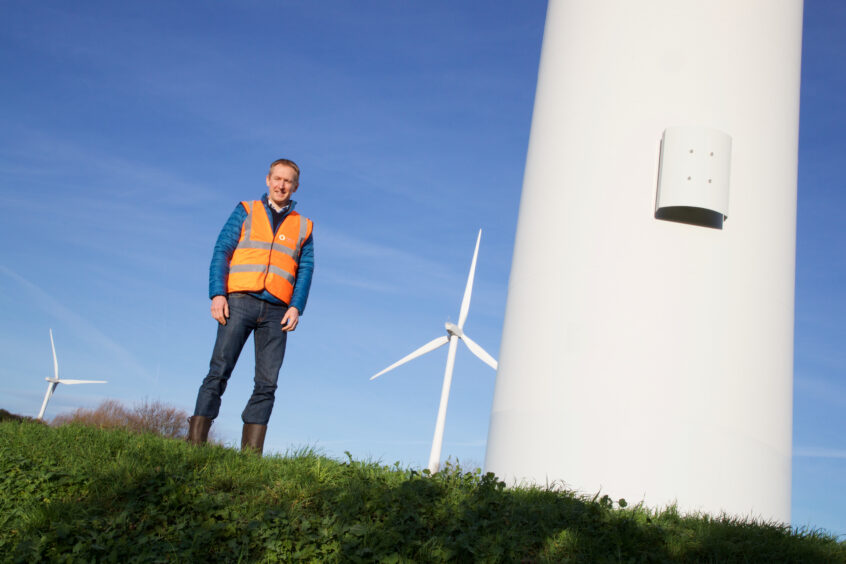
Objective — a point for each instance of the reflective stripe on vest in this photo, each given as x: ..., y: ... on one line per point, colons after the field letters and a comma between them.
x: 264, y: 260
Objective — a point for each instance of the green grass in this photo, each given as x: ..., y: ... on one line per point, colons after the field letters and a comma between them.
x: 80, y: 494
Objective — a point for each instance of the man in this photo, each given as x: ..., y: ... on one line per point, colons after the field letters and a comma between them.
x: 259, y: 281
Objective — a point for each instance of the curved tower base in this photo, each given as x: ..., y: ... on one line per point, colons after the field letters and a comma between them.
x: 648, y: 352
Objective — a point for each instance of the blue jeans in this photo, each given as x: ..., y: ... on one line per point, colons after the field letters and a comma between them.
x: 246, y: 315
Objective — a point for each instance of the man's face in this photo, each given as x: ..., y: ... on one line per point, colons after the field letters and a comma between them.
x: 281, y: 183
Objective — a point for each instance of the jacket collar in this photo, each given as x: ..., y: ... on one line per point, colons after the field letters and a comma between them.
x: 285, y: 210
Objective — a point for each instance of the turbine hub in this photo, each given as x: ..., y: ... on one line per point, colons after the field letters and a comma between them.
x: 454, y: 329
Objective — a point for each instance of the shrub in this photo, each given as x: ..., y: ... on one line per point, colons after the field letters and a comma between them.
x: 156, y: 417
x: 150, y: 417
x: 108, y: 415
x: 9, y: 416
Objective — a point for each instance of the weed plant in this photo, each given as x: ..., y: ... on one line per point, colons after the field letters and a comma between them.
x: 78, y: 493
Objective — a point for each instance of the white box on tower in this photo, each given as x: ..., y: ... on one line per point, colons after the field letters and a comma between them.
x: 693, y: 173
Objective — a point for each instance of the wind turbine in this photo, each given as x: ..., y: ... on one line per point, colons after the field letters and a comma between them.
x: 454, y: 334
x: 55, y: 380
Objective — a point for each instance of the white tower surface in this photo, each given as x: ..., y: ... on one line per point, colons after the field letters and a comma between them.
x: 644, y: 353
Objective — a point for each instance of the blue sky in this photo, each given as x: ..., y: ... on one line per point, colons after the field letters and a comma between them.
x: 131, y: 130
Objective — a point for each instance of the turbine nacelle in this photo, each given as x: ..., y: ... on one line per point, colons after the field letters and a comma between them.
x: 453, y: 329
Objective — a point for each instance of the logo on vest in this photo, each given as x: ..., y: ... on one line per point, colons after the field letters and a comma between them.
x: 281, y: 236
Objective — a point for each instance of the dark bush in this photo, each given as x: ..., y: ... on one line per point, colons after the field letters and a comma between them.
x: 8, y: 416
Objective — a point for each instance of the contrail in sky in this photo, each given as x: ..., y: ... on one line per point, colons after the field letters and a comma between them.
x: 85, y: 329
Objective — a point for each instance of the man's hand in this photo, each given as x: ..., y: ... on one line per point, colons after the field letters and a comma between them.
x: 290, y: 319
x: 220, y: 309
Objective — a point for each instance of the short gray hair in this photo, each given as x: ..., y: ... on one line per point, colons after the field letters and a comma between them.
x: 286, y: 162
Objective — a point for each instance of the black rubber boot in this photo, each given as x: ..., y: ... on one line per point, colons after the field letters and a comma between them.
x: 198, y: 429
x: 252, y: 438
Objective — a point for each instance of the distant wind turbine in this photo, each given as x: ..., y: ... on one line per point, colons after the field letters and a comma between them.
x: 55, y: 380
x: 454, y: 333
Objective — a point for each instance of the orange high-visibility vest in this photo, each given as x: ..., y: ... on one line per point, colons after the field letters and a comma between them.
x: 264, y: 260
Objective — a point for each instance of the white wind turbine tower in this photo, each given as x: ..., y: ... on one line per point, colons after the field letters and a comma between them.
x: 454, y: 333
x: 55, y: 380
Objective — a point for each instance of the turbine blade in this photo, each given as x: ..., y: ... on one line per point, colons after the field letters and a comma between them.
x: 84, y: 382
x: 50, y: 387
x: 55, y: 361
x: 428, y: 347
x: 465, y: 301
x: 476, y: 349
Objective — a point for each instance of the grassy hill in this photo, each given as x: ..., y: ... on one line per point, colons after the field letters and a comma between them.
x: 78, y: 493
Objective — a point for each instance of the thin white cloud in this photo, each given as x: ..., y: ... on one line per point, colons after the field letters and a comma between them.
x: 824, y: 390
x: 388, y: 269
x: 140, y: 183
x: 819, y: 452
x: 357, y: 247
x: 336, y: 278
x: 128, y: 364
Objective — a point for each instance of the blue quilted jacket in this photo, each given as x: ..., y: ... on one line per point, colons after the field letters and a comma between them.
x: 225, y: 246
